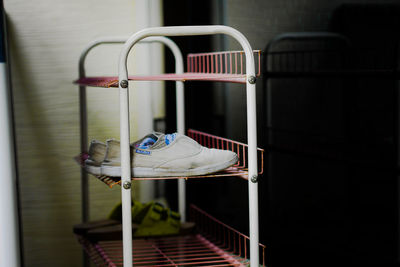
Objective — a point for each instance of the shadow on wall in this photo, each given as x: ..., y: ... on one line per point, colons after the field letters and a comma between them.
x: 332, y: 142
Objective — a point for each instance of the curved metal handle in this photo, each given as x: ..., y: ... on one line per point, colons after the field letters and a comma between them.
x: 185, y: 31
x: 121, y: 40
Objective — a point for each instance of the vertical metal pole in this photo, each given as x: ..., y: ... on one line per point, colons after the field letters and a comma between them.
x: 9, y: 227
x: 84, y: 175
x: 180, y: 107
x: 180, y: 123
x: 84, y: 134
x: 253, y: 173
x: 126, y: 173
x: 180, y: 119
x: 84, y: 148
x: 396, y: 131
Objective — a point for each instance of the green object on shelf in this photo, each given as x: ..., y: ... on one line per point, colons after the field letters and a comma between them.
x: 137, y: 207
x: 152, y: 218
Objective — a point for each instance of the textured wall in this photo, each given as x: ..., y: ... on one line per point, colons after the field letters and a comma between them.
x: 46, y: 38
x: 260, y: 21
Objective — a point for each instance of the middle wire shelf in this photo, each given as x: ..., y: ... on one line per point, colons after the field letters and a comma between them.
x: 240, y: 169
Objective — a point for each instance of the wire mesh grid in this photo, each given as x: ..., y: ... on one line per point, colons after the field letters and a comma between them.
x: 216, y: 244
x: 241, y: 149
x: 224, y: 236
x: 240, y: 169
x: 225, y: 62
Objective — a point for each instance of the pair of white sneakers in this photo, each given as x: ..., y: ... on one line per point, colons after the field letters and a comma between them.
x: 159, y: 155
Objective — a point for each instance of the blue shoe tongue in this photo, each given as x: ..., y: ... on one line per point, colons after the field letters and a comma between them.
x: 169, y: 138
x: 148, y: 141
x: 151, y: 139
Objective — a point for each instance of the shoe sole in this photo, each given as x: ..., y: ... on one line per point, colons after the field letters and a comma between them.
x: 96, y: 170
x: 115, y: 171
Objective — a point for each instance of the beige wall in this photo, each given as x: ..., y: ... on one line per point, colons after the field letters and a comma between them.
x: 46, y: 38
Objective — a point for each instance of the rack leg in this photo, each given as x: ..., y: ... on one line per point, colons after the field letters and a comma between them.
x: 126, y: 175
x: 253, y: 174
x: 180, y: 120
x: 84, y: 175
x: 85, y: 210
x: 182, y: 198
x: 9, y: 242
x: 84, y: 148
x: 253, y: 214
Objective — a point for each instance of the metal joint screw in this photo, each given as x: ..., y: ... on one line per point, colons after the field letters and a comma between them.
x: 254, y: 179
x: 124, y: 84
x: 252, y: 79
x: 127, y: 185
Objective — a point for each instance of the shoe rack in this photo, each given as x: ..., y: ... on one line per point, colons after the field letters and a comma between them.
x: 226, y: 245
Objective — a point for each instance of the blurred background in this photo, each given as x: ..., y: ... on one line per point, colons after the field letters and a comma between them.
x: 327, y: 107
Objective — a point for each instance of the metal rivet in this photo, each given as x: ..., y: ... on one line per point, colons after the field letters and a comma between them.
x: 252, y: 79
x: 124, y: 84
x: 127, y: 185
x: 254, y: 179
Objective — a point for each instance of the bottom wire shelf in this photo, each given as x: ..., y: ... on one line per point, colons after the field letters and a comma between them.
x: 214, y: 244
x: 192, y: 250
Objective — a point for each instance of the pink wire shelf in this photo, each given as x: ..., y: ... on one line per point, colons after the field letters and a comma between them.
x: 240, y: 169
x: 215, y: 244
x: 228, y: 66
x: 223, y: 63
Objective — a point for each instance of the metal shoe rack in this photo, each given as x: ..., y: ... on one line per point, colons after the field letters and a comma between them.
x: 215, y: 244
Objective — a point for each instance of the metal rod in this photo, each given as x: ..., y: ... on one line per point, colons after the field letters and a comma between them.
x: 10, y: 247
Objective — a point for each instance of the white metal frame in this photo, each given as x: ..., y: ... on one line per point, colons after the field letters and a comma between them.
x: 10, y: 241
x: 124, y: 128
x: 9, y: 230
x: 180, y: 105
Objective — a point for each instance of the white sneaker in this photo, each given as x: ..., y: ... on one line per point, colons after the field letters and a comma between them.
x: 97, y: 151
x: 111, y: 165
x: 160, y: 155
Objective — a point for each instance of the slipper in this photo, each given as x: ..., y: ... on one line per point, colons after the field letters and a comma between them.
x: 116, y: 212
x: 152, y: 218
x: 148, y: 220
x: 155, y: 220
x: 83, y: 228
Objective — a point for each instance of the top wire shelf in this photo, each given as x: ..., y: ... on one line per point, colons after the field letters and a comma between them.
x: 226, y: 66
x: 240, y: 169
